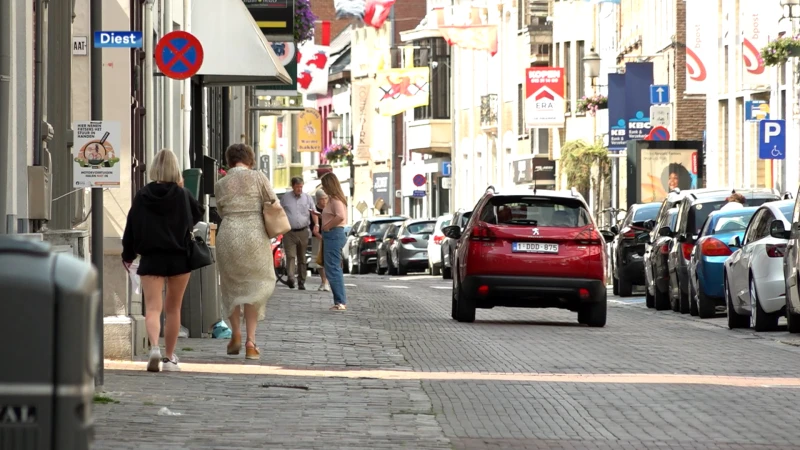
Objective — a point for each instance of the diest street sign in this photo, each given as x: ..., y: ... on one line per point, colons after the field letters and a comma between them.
x: 117, y: 39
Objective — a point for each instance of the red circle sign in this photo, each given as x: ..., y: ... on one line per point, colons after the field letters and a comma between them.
x: 658, y: 133
x: 179, y: 55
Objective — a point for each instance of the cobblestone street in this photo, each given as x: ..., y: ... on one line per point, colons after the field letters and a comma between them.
x: 395, y: 371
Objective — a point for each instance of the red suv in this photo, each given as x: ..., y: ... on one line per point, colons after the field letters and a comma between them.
x: 536, y: 249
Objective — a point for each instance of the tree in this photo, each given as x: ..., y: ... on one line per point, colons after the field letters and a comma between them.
x: 587, y: 168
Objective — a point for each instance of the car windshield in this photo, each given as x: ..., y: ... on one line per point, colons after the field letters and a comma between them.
x: 730, y: 224
x: 699, y: 212
x: 465, y: 218
x: 646, y: 213
x: 535, y: 211
x: 421, y: 227
x: 379, y: 228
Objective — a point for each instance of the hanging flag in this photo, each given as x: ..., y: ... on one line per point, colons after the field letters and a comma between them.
x: 402, y: 89
x: 701, y: 45
x: 377, y: 11
x: 467, y: 29
x: 313, y: 65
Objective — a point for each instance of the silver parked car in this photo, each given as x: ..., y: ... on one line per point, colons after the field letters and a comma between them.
x: 409, y: 248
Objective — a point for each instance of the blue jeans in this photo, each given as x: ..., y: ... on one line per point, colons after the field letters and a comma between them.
x: 332, y: 260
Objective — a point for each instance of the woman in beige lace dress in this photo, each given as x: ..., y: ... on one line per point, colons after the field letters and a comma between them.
x: 244, y: 252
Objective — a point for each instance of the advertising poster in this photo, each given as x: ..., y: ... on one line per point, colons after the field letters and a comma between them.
x: 617, y: 125
x: 309, y: 131
x: 663, y: 170
x: 544, y: 97
x: 96, y: 154
x: 638, y: 78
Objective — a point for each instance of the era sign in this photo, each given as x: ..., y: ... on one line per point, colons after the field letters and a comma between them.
x: 544, y: 97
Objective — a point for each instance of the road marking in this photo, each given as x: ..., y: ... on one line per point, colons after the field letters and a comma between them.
x: 441, y: 287
x: 397, y: 287
x: 598, y: 378
x: 350, y: 285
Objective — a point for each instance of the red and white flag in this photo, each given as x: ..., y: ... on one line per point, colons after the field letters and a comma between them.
x: 377, y: 11
x: 313, y: 65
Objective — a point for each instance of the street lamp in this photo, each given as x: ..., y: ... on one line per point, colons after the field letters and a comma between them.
x: 791, y: 8
x: 591, y: 63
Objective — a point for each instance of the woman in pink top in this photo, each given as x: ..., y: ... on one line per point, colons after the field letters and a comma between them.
x: 333, y: 218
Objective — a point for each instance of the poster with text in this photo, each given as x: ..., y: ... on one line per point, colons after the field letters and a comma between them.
x: 544, y: 97
x: 660, y: 171
x: 96, y: 154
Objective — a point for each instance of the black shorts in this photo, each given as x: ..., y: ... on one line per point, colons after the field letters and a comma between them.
x: 164, y: 264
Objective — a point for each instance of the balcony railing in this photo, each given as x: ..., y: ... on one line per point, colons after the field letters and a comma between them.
x: 489, y: 113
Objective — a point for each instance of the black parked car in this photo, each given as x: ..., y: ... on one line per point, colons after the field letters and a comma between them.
x: 363, y: 250
x: 627, y: 260
x: 460, y: 218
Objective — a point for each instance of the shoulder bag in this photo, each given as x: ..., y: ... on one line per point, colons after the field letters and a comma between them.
x: 198, y: 252
x: 276, y: 222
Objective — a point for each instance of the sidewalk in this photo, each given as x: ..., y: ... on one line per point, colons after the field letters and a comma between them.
x: 224, y: 407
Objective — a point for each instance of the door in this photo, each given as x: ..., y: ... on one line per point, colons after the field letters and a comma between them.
x: 739, y: 276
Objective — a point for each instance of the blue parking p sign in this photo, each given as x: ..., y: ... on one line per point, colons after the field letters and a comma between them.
x: 772, y: 139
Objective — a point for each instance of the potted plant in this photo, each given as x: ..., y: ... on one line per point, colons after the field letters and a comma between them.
x: 779, y: 50
x: 592, y: 104
x: 336, y: 153
x: 304, y: 20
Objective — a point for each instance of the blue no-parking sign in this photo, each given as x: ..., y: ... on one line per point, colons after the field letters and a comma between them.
x: 772, y: 139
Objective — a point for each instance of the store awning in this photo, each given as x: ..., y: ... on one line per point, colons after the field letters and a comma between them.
x: 235, y: 51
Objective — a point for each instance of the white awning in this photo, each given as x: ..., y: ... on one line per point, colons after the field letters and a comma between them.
x: 235, y: 51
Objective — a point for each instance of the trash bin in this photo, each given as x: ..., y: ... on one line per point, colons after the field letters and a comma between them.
x: 191, y: 181
x: 49, y: 304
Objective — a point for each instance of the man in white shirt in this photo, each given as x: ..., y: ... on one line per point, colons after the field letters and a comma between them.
x: 734, y: 201
x: 298, y: 206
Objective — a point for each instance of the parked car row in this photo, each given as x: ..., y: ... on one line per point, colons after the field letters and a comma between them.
x: 701, y: 259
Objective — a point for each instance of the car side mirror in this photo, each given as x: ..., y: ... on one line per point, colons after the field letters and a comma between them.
x: 778, y: 231
x: 452, y: 231
x: 735, y: 242
x: 649, y: 224
x: 665, y: 232
x: 614, y: 229
x: 681, y: 238
x: 607, y: 235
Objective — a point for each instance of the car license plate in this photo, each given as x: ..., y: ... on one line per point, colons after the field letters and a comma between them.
x: 534, y: 247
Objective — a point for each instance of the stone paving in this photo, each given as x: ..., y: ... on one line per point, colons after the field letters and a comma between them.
x: 397, y: 326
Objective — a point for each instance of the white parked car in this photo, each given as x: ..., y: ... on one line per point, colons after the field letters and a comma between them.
x: 754, y: 282
x: 435, y: 244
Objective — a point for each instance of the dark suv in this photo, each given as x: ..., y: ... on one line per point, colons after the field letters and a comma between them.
x: 628, y: 258
x: 363, y: 251
x: 693, y: 210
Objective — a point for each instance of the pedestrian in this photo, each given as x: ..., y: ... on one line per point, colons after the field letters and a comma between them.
x: 244, y: 251
x: 298, y: 206
x: 316, y: 241
x: 158, y: 229
x: 333, y: 219
x: 734, y: 201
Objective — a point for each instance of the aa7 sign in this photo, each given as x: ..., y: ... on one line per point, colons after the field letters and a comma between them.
x: 544, y: 97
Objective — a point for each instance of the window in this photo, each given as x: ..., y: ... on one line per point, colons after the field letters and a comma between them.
x: 379, y: 228
x: 730, y: 224
x: 645, y: 214
x: 521, y: 109
x: 581, y: 78
x: 568, y: 73
x: 540, y: 141
x: 421, y: 228
x: 436, y: 54
x: 535, y: 211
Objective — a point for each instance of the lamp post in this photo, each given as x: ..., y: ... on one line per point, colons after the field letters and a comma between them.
x: 791, y: 11
x: 591, y: 65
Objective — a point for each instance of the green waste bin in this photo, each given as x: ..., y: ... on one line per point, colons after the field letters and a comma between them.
x: 191, y: 181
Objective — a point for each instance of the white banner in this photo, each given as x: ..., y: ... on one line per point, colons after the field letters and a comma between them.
x: 758, y: 20
x: 701, y: 45
x: 313, y: 65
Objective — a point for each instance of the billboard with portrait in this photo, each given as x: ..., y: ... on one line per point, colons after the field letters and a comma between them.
x: 662, y: 170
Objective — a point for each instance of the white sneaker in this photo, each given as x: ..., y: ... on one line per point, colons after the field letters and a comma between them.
x: 154, y: 360
x: 327, y: 287
x: 170, y: 365
x: 321, y: 287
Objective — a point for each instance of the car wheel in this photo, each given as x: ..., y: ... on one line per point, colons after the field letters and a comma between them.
x: 380, y: 270
x: 649, y: 300
x: 706, y: 308
x: 661, y: 300
x: 614, y: 285
x: 735, y: 320
x: 693, y: 300
x: 465, y: 307
x: 594, y: 314
x: 759, y: 319
x: 363, y: 268
x: 402, y: 269
x: 625, y: 288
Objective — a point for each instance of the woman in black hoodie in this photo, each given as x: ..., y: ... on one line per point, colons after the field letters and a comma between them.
x: 159, y: 222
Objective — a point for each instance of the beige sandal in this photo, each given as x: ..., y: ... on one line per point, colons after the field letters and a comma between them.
x: 252, y: 352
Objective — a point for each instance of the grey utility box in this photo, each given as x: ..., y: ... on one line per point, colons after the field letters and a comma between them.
x: 49, y: 303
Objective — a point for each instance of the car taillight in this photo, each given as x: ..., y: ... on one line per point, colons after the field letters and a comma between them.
x: 368, y: 239
x: 481, y: 233
x: 407, y: 240
x: 628, y: 233
x: 686, y: 250
x: 589, y: 236
x: 714, y: 247
x: 664, y: 249
x: 776, y: 250
x: 438, y: 239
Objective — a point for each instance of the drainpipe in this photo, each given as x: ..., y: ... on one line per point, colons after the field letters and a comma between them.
x: 39, y: 81
x: 501, y: 50
x: 169, y: 135
x: 149, y: 94
x: 6, y: 37
x: 187, y: 95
